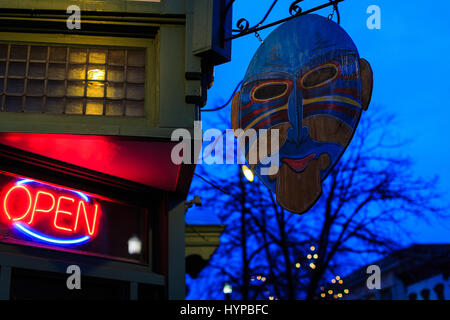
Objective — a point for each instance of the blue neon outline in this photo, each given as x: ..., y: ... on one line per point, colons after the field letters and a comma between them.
x: 41, y: 237
x: 81, y: 194
x: 20, y: 182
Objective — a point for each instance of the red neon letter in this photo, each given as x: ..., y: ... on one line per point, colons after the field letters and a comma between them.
x: 5, y: 207
x: 90, y: 226
x: 61, y: 211
x: 36, y: 209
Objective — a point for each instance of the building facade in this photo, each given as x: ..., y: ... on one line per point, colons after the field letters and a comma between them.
x: 419, y: 272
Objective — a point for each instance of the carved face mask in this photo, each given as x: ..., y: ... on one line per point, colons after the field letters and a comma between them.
x: 307, y: 81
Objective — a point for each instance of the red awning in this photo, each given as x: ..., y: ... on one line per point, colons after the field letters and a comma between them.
x: 136, y: 159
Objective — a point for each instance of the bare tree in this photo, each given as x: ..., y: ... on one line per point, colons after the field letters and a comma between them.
x: 365, y: 200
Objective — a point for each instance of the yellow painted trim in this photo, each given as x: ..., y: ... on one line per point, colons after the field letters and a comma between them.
x: 268, y: 83
x: 68, y: 39
x: 283, y: 107
x: 302, y: 81
x: 333, y: 98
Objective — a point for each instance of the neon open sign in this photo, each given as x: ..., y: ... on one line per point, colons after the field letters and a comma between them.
x: 50, y: 214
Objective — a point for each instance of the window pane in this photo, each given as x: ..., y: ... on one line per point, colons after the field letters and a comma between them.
x: 3, y: 51
x: 115, y: 74
x: 75, y: 88
x: 74, y: 106
x: 97, y: 56
x: 58, y: 54
x: 18, y: 52
x: 17, y: 69
x: 135, y: 91
x: 36, y: 70
x: 116, y: 57
x: 136, y: 58
x: 95, y: 89
x: 135, y: 75
x: 114, y: 108
x: 78, y: 55
x: 15, y: 86
x: 96, y: 72
x: 38, y: 53
x: 34, y: 104
x: 2, y: 68
x: 35, y: 87
x: 115, y: 91
x: 56, y: 71
x: 13, y: 104
x: 77, y: 72
x: 94, y: 107
x: 134, y: 108
x: 54, y: 105
x: 55, y: 89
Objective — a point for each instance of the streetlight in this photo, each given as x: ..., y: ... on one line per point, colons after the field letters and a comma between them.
x: 227, y: 290
x: 248, y: 173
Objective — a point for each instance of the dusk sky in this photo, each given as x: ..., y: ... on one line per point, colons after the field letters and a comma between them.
x: 408, y: 57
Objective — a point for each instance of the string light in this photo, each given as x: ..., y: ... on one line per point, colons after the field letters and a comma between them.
x: 337, y: 277
x: 333, y: 281
x: 330, y: 291
x: 309, y: 256
x: 312, y: 248
x: 297, y: 265
x: 346, y: 291
x: 315, y: 256
x: 323, y: 295
x: 341, y: 282
x: 227, y: 288
x: 263, y: 279
x: 312, y: 265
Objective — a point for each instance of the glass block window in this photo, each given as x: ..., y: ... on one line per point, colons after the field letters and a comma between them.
x: 72, y: 80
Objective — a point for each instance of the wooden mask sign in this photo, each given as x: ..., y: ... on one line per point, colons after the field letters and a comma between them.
x: 308, y: 81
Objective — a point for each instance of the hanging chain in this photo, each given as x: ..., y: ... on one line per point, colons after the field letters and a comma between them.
x: 258, y: 37
x: 335, y: 10
x: 331, y: 15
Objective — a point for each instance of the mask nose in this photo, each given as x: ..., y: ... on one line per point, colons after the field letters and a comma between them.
x: 297, y: 133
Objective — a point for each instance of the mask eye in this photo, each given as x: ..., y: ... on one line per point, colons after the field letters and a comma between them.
x: 269, y: 91
x: 319, y: 76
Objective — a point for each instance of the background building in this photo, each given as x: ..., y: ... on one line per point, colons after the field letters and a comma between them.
x: 419, y: 272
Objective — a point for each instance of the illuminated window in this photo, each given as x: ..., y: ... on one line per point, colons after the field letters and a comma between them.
x: 72, y: 80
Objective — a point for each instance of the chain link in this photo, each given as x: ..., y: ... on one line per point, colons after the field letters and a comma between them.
x: 258, y: 37
x: 331, y: 15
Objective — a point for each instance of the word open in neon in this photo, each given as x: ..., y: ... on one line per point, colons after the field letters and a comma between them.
x: 50, y: 214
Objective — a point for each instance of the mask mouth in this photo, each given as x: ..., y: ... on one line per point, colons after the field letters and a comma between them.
x: 298, y: 165
x: 297, y: 191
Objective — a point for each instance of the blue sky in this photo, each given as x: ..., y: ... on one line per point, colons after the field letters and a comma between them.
x: 409, y: 59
